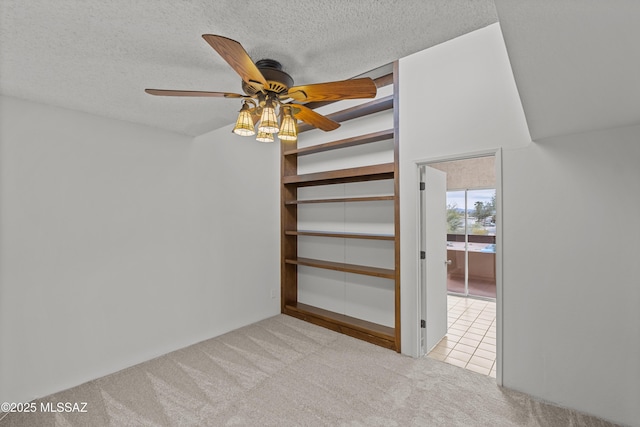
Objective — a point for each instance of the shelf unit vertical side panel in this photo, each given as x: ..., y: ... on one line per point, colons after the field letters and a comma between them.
x: 396, y: 190
x: 288, y: 221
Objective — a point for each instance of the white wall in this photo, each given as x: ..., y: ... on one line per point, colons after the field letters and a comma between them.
x: 455, y: 98
x: 119, y: 243
x: 236, y: 181
x: 571, y: 287
x: 570, y: 303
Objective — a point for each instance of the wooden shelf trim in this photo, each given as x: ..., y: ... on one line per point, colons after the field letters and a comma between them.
x: 358, y: 328
x: 343, y: 235
x: 371, y: 107
x: 341, y: 199
x: 384, y: 273
x: 343, y: 143
x: 362, y: 173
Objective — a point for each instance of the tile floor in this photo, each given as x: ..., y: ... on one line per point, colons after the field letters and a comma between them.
x: 471, y: 338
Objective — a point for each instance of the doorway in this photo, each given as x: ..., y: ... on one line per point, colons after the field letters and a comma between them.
x: 459, y: 228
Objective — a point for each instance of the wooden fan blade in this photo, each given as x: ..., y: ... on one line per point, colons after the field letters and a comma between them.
x: 163, y: 92
x: 335, y: 91
x: 306, y: 114
x: 235, y: 55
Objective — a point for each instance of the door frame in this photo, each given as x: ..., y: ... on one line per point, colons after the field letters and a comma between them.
x: 497, y: 153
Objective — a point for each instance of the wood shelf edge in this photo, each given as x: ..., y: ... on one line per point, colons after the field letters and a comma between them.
x: 371, y: 107
x: 384, y: 273
x: 343, y: 235
x: 342, y: 199
x: 372, y: 332
x: 362, y: 173
x: 383, y: 135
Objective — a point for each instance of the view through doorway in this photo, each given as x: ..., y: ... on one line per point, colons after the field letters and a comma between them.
x: 470, y: 339
x: 471, y: 241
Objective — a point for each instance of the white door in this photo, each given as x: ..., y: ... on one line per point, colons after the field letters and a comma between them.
x: 434, y: 266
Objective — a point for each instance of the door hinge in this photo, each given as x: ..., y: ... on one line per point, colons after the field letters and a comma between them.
x: 423, y: 323
x: 423, y: 255
x: 422, y: 186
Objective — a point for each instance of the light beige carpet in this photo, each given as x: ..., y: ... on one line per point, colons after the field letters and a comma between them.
x: 285, y: 372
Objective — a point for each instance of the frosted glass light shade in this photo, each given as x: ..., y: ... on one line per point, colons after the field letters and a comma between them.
x: 264, y: 137
x: 288, y: 131
x: 244, y: 124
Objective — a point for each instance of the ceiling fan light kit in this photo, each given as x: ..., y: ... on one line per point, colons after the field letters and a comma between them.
x: 288, y: 128
x: 268, y: 88
x: 264, y: 137
x: 268, y: 120
x: 244, y: 125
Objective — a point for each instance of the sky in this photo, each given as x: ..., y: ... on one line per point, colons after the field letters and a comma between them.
x: 457, y: 197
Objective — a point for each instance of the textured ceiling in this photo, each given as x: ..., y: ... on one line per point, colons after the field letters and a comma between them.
x: 576, y: 63
x: 98, y: 56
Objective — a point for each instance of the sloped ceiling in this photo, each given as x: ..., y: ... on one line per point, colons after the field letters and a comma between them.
x: 576, y: 63
x: 98, y: 56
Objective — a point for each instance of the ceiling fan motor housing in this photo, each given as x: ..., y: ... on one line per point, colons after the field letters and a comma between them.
x: 278, y: 81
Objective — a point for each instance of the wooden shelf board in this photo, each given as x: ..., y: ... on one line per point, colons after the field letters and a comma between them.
x: 341, y: 199
x: 362, y: 173
x: 349, y: 268
x: 343, y: 143
x: 373, y: 332
x: 361, y: 110
x: 343, y: 235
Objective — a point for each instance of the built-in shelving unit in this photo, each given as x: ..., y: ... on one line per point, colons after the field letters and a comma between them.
x: 291, y: 181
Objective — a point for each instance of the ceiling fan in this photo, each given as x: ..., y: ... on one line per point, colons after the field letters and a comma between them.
x: 267, y: 87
